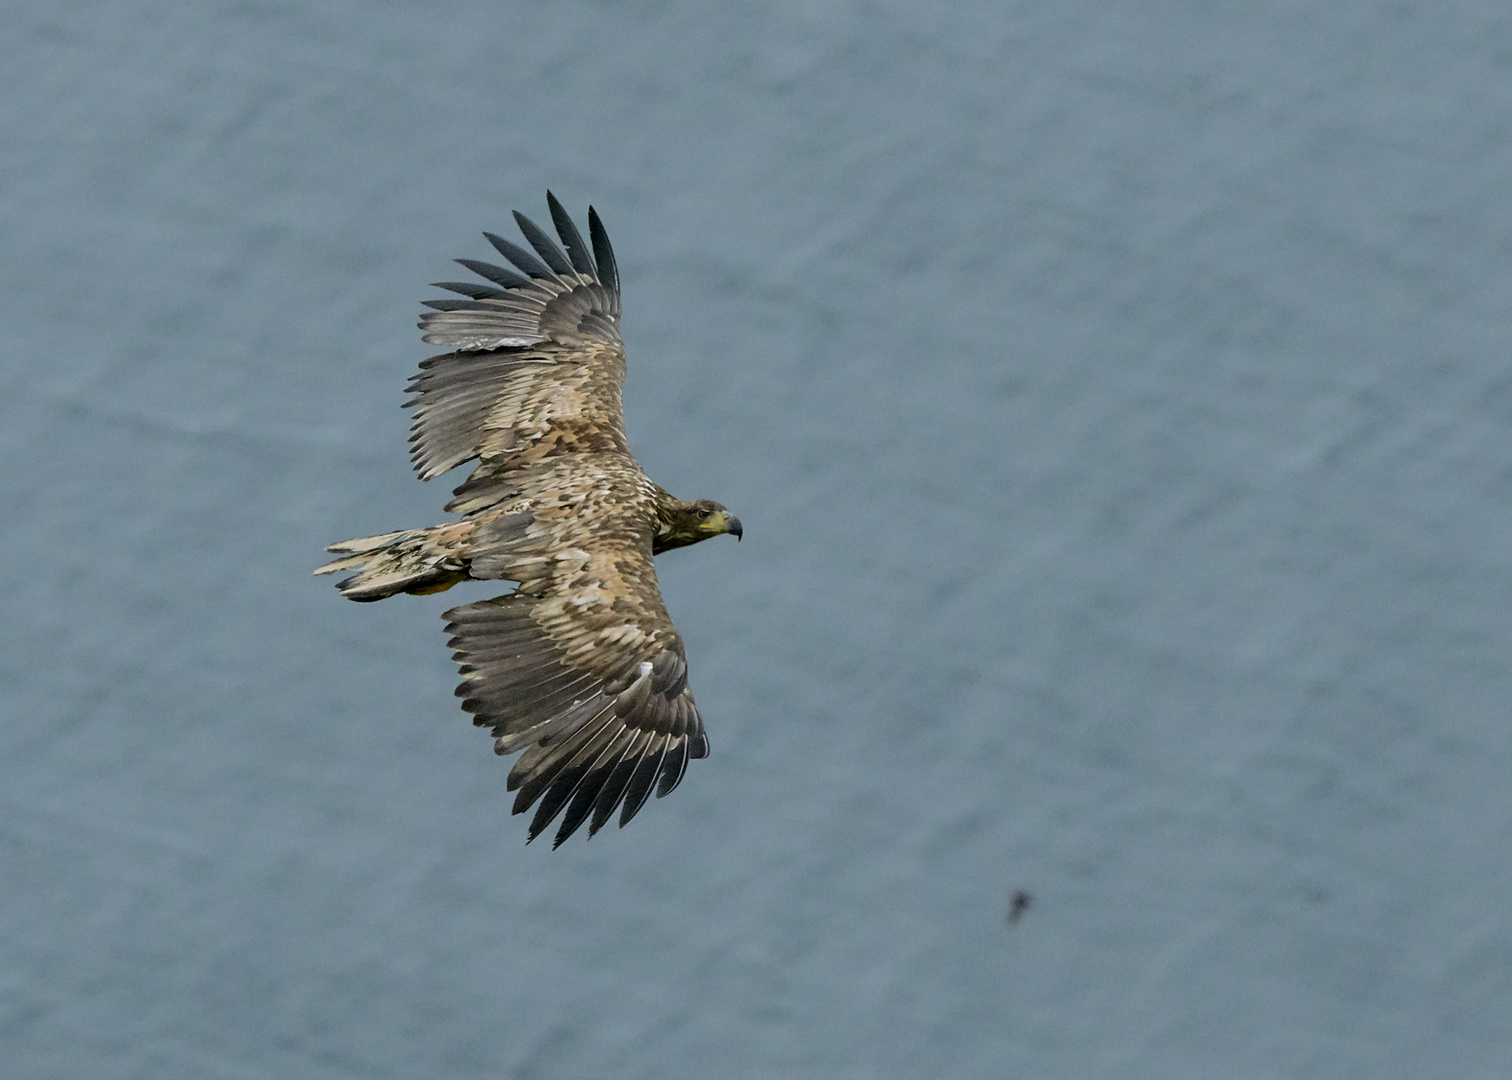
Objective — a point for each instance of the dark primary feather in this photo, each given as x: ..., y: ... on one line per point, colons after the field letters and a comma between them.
x: 544, y: 245
x: 571, y: 239
x: 523, y: 259
x: 603, y: 254
x: 467, y: 288
x: 505, y: 277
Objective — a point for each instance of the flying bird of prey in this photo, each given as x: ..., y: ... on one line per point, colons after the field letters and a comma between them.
x: 579, y: 666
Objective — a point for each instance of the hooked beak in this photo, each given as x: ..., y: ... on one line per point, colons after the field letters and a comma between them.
x: 732, y: 526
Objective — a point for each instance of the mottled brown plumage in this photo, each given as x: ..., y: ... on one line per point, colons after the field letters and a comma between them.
x: 580, y: 666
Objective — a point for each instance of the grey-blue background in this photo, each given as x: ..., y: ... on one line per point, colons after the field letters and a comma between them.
x: 1117, y: 399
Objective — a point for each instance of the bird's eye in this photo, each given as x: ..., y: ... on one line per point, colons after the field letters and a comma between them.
x: 705, y: 513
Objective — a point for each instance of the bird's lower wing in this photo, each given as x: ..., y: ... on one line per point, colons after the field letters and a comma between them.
x: 587, y: 676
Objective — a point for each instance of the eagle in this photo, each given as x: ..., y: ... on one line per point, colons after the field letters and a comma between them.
x: 579, y: 666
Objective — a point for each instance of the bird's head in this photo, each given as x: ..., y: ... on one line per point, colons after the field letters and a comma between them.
x: 689, y: 522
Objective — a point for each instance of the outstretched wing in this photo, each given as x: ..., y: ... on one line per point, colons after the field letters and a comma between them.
x: 582, y: 669
x: 539, y: 362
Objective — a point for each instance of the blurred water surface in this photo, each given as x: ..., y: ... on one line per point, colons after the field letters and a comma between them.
x: 1116, y: 399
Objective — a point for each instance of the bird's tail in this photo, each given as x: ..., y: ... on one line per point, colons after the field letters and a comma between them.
x: 412, y: 561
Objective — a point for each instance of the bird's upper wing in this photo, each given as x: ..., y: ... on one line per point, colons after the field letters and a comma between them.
x: 580, y: 667
x: 539, y: 361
